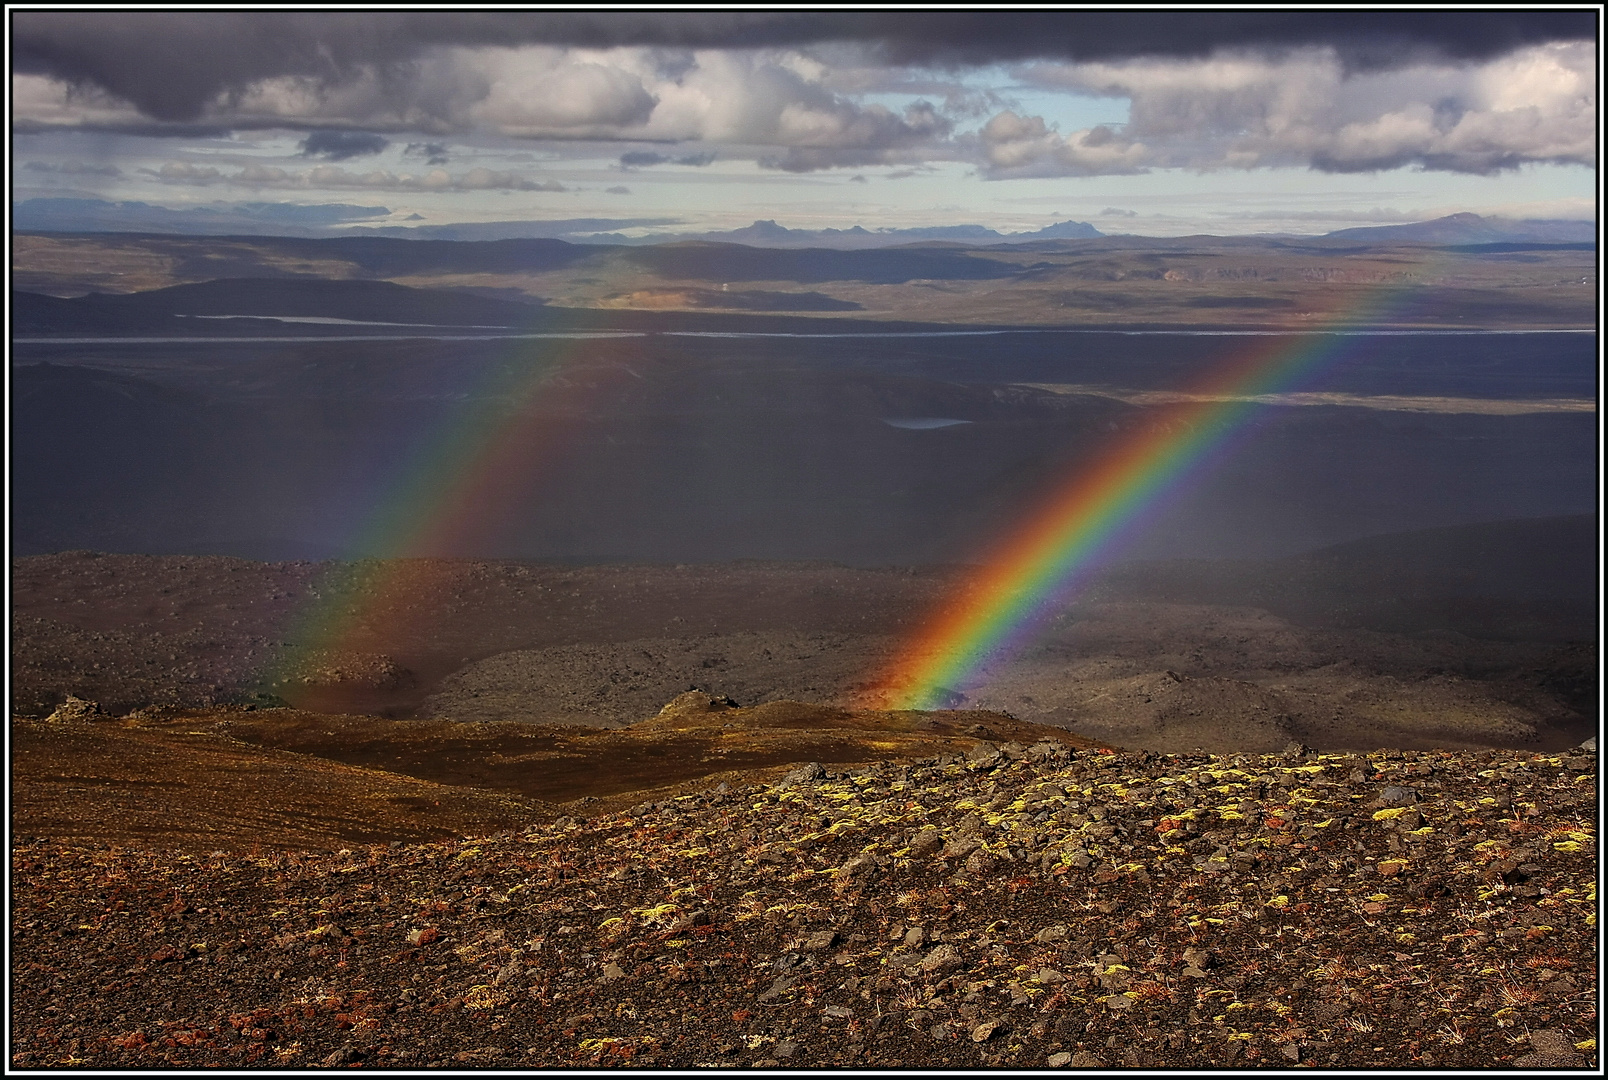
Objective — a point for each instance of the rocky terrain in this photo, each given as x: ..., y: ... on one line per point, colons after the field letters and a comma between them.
x: 1156, y: 657
x: 472, y: 832
x: 1015, y: 905
x: 623, y: 795
x: 128, y: 630
x: 291, y: 779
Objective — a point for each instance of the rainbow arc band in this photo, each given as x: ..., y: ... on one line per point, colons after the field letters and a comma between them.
x: 451, y: 488
x: 1039, y: 566
x: 454, y: 486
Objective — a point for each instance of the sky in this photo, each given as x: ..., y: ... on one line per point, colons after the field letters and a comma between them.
x: 1139, y: 121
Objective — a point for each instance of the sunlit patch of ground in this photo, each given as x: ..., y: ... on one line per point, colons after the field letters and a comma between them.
x: 277, y: 778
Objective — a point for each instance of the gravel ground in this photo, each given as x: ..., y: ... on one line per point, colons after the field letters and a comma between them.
x: 1018, y: 907
x: 607, y: 645
x: 618, y: 684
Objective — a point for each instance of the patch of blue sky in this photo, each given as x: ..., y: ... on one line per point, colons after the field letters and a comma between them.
x: 994, y: 89
x: 1066, y: 112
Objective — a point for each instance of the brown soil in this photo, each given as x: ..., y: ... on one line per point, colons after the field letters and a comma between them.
x: 287, y: 779
x: 184, y: 782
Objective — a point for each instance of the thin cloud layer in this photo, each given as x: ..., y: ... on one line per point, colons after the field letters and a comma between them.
x: 73, y: 168
x: 333, y: 176
x: 643, y: 159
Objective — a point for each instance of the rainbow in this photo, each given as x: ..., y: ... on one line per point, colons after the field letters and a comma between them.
x: 441, y: 495
x: 1037, y: 567
x: 450, y: 488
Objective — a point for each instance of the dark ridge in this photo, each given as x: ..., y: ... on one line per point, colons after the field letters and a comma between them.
x: 1240, y: 302
x: 308, y: 296
x: 1499, y: 247
x: 885, y: 266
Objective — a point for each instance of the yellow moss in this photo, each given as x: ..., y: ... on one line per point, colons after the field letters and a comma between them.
x: 656, y: 913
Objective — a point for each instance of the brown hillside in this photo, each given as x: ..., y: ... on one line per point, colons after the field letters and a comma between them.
x: 1019, y: 909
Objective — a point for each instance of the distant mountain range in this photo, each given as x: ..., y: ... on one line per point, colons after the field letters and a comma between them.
x: 1457, y: 229
x: 770, y: 234
x: 339, y: 219
x: 1466, y: 229
x: 332, y: 220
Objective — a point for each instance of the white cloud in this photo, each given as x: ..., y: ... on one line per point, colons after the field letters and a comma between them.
x: 257, y: 175
x: 1244, y: 110
x: 41, y: 100
x: 182, y: 172
x: 797, y: 111
x: 1025, y: 146
x: 776, y: 104
x: 548, y: 93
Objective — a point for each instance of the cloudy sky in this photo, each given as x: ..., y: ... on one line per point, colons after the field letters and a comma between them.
x: 1151, y: 122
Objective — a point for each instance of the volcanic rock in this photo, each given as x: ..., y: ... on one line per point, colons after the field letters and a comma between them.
x: 76, y: 710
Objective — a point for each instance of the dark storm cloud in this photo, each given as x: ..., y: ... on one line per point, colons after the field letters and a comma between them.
x: 1365, y: 39
x: 171, y: 64
x: 342, y: 145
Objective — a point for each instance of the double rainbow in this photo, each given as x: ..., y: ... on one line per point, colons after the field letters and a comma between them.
x: 450, y: 489
x: 1035, y: 570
